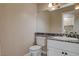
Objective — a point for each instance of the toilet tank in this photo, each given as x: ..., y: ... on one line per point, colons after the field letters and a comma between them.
x: 40, y: 40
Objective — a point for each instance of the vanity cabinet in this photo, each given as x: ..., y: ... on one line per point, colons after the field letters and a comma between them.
x: 60, y: 52
x: 54, y: 52
x: 59, y: 48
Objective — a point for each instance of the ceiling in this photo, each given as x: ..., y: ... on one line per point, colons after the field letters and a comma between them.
x: 44, y: 6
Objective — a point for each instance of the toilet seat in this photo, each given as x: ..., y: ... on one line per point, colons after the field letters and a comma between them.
x: 35, y: 47
x: 35, y: 50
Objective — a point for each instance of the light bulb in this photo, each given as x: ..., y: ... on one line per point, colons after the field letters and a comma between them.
x: 50, y: 5
x: 53, y: 8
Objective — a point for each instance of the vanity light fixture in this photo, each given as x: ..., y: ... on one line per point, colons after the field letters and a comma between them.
x: 54, y: 6
x: 50, y: 5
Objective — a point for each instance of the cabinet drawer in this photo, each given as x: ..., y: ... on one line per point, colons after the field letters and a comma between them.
x: 73, y: 47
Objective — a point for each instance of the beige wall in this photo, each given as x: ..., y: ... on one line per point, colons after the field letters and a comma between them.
x: 49, y: 22
x: 17, y: 27
x: 56, y: 22
x: 76, y: 22
x: 42, y: 6
x: 43, y: 22
x: 43, y: 18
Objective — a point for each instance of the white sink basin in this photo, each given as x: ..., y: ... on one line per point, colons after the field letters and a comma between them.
x: 65, y: 38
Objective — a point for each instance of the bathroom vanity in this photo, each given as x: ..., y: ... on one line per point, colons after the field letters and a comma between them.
x: 58, y: 46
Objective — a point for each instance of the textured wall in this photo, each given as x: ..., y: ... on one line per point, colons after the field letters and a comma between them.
x: 43, y: 22
x: 17, y: 27
x: 76, y: 22
x: 56, y: 22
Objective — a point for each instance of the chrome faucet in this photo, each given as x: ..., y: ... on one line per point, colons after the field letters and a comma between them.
x: 73, y: 34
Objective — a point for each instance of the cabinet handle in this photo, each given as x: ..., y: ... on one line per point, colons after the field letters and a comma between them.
x: 62, y: 52
x: 66, y: 53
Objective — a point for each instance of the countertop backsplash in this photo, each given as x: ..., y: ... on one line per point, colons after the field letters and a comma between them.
x: 71, y: 34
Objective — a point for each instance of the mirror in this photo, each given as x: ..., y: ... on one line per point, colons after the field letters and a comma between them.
x: 58, y: 21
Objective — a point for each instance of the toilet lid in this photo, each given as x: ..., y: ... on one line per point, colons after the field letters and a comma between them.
x: 35, y: 47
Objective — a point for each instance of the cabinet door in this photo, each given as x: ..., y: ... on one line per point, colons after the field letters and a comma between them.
x: 54, y: 52
x: 68, y: 53
x: 58, y: 52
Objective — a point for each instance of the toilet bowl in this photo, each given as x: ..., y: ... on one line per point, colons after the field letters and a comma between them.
x: 36, y: 50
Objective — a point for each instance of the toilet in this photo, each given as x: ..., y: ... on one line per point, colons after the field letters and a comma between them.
x: 36, y: 50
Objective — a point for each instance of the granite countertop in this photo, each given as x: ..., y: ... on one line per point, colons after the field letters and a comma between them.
x: 52, y: 36
x: 57, y: 39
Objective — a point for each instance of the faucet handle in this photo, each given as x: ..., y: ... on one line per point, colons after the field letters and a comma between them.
x: 78, y: 36
x: 75, y: 34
